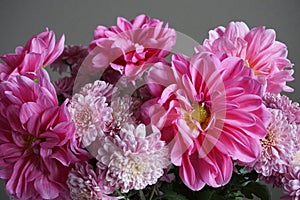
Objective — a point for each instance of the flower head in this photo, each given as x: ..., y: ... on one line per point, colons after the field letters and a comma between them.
x: 131, y: 159
x: 70, y: 60
x: 291, y: 110
x: 40, y: 51
x: 72, y: 57
x: 210, y: 112
x: 131, y: 46
x: 37, y: 142
x: 90, y: 111
x: 291, y: 183
x: 259, y: 50
x: 85, y: 183
x: 278, y: 147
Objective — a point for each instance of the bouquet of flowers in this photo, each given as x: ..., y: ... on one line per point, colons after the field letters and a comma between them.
x: 129, y: 118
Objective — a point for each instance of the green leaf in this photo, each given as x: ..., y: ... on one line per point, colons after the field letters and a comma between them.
x: 173, y: 196
x: 257, y: 189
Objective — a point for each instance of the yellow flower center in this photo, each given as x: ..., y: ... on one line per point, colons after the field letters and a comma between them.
x: 269, y: 140
x: 200, y: 113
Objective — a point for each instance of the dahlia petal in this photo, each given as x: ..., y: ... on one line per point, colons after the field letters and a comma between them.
x: 46, y: 189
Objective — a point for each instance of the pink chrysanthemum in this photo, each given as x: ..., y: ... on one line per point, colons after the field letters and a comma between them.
x: 121, y: 113
x: 291, y: 110
x: 291, y: 183
x: 40, y: 51
x: 278, y: 147
x: 131, y: 46
x: 131, y: 159
x: 90, y: 111
x: 85, y: 183
x: 210, y: 112
x: 259, y: 50
x: 37, y: 142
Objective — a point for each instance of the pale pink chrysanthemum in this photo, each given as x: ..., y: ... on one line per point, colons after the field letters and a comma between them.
x: 37, y: 141
x: 259, y: 50
x: 131, y: 46
x: 291, y: 183
x: 90, y: 111
x: 40, y: 51
x: 291, y: 110
x: 86, y: 183
x: 131, y: 158
x: 278, y: 147
x: 121, y: 113
x: 210, y: 112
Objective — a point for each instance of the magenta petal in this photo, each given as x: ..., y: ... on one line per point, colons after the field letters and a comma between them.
x: 46, y: 189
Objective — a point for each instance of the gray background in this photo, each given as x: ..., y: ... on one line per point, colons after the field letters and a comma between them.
x: 19, y: 20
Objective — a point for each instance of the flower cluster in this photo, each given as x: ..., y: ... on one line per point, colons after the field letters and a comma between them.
x: 130, y: 119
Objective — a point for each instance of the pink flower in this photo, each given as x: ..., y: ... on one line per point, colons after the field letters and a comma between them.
x: 291, y: 110
x: 132, y: 159
x: 259, y: 50
x: 131, y: 46
x: 210, y: 113
x: 90, y: 111
x: 37, y: 142
x: 291, y: 183
x: 40, y: 51
x: 278, y: 147
x: 85, y: 183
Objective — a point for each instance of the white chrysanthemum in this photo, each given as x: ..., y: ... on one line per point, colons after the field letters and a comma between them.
x: 90, y: 111
x: 132, y: 159
x: 278, y: 147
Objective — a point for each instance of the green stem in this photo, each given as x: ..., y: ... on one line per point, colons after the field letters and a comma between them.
x: 141, y: 194
x: 153, y: 191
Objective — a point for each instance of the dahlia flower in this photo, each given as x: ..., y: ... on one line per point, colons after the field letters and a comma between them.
x: 259, y: 50
x: 37, y: 143
x: 210, y: 113
x: 278, y: 147
x: 70, y: 60
x: 40, y: 51
x: 131, y: 46
x: 131, y: 159
x: 72, y: 57
x: 291, y: 183
x: 90, y: 111
x: 85, y: 183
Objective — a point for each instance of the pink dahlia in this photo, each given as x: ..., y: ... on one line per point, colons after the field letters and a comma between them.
x: 131, y: 46
x: 291, y: 183
x: 132, y: 158
x: 278, y: 147
x: 90, y: 111
x: 40, y: 51
x: 210, y: 113
x: 85, y: 183
x: 37, y: 143
x: 259, y: 50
